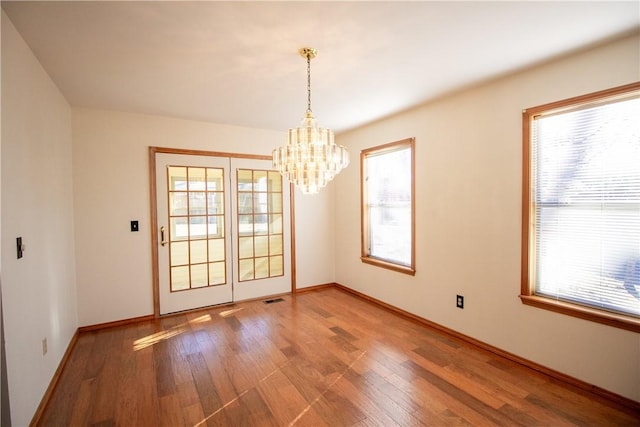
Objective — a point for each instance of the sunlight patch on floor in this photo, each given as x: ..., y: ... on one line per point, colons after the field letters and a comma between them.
x: 152, y: 339
x: 230, y: 312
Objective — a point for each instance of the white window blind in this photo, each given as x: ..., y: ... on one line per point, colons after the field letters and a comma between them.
x: 585, y: 172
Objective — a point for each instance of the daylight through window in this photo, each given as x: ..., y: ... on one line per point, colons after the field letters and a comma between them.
x: 581, y: 231
x: 388, y: 206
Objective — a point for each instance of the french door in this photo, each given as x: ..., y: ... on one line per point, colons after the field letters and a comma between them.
x: 223, y: 227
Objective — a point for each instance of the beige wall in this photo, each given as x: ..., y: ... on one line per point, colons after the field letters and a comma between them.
x: 110, y: 171
x: 468, y: 218
x: 58, y: 164
x: 39, y: 290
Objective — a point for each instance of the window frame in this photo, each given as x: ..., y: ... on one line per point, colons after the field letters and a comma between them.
x: 365, y: 257
x: 528, y: 294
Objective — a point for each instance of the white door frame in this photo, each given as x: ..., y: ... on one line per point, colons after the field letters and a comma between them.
x: 154, y: 212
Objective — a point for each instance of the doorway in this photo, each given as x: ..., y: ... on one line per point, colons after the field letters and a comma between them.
x: 222, y: 229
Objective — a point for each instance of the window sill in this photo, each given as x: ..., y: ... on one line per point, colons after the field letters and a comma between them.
x: 389, y: 265
x: 606, y: 318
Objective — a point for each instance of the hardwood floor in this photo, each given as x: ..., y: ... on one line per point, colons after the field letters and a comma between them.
x: 322, y: 358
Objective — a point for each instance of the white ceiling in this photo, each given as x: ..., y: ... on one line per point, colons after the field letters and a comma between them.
x: 237, y: 62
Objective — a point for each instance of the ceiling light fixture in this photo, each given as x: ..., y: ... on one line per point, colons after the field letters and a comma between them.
x: 311, y: 158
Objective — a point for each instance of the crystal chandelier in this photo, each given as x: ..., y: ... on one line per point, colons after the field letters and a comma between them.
x: 311, y: 158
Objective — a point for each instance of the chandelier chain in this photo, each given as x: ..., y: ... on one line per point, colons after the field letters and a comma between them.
x: 308, y: 83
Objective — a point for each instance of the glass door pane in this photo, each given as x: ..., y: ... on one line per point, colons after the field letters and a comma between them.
x: 196, y: 214
x: 259, y: 219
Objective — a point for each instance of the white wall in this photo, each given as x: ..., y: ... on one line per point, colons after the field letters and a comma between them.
x: 468, y: 217
x: 315, y: 237
x: 38, y: 291
x: 111, y: 178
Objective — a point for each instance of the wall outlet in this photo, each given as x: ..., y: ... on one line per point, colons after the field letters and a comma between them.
x: 44, y: 346
x: 459, y: 301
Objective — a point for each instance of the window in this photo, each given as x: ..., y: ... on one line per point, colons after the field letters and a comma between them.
x: 388, y: 219
x: 581, y: 207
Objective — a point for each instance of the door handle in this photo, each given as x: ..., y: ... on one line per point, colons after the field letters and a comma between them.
x: 162, y: 237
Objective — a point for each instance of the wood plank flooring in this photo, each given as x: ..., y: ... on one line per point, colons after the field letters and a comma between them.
x: 321, y: 358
